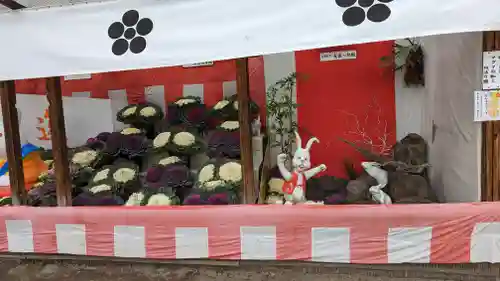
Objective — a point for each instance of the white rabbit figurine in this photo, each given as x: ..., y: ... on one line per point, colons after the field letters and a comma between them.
x: 380, y: 175
x: 294, y: 188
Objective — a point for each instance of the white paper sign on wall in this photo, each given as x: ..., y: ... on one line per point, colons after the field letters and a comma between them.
x: 199, y: 64
x: 338, y: 55
x: 491, y: 70
x: 84, y: 118
x: 78, y: 77
x: 486, y: 106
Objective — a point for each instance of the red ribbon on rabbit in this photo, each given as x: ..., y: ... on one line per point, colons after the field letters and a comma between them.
x: 294, y: 187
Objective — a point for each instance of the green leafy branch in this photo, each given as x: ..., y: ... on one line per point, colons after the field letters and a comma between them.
x: 281, y: 109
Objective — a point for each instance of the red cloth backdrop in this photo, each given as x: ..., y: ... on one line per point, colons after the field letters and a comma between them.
x: 350, y: 99
x: 172, y: 78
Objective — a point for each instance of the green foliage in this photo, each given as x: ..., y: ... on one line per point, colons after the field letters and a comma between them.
x: 280, y: 111
x: 398, y: 58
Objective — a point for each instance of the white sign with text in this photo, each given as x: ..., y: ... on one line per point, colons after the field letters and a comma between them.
x: 338, y: 55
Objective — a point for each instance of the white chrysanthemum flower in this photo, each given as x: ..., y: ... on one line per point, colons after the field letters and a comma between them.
x: 130, y: 131
x: 101, y: 175
x: 169, y: 160
x: 148, y: 111
x: 100, y: 188
x: 235, y: 105
x: 274, y: 199
x: 184, y: 139
x: 211, y: 185
x: 314, y: 203
x: 220, y: 105
x: 48, y: 162
x: 135, y: 199
x: 161, y: 139
x: 230, y: 125
x: 159, y: 200
x: 206, y: 173
x: 129, y: 111
x: 38, y: 184
x: 276, y: 185
x: 84, y: 158
x: 183, y: 102
x: 124, y: 175
x: 231, y: 172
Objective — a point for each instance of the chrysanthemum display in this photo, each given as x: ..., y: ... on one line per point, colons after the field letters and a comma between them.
x: 169, y: 160
x: 135, y: 168
x: 219, y: 196
x: 227, y: 109
x: 85, y: 157
x: 171, y: 176
x: 130, y: 147
x: 135, y: 199
x: 139, y: 115
x: 224, y: 144
x: 102, y: 176
x: 179, y: 142
x: 113, y: 144
x: 100, y: 188
x: 188, y: 112
x: 44, y: 195
x: 81, y: 177
x: 206, y: 173
x: 131, y: 131
x: 162, y: 140
x: 161, y: 199
x: 125, y: 176
x: 134, y: 146
x: 231, y: 172
x: 230, y: 126
x: 219, y: 173
x: 98, y: 199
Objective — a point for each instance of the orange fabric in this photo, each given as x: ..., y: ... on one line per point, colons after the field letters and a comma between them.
x: 33, y: 166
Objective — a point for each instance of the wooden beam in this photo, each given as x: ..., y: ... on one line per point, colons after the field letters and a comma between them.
x: 59, y: 145
x: 490, y: 172
x: 243, y: 90
x: 13, y: 142
x: 11, y: 4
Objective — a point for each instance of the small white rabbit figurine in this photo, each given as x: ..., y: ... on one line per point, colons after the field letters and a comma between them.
x: 294, y: 188
x: 380, y: 175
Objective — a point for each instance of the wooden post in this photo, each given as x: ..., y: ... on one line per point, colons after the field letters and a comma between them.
x: 59, y: 145
x: 490, y: 172
x: 13, y: 142
x: 243, y: 91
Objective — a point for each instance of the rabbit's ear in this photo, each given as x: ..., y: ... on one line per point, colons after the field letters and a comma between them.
x: 298, y: 140
x: 310, y: 143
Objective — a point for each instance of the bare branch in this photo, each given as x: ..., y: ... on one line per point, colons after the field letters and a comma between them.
x: 380, y: 144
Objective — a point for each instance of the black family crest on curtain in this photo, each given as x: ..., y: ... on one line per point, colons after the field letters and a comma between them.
x: 129, y: 34
x: 357, y: 11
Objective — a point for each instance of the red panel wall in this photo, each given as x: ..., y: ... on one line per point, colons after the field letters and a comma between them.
x: 172, y: 78
x: 334, y: 95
